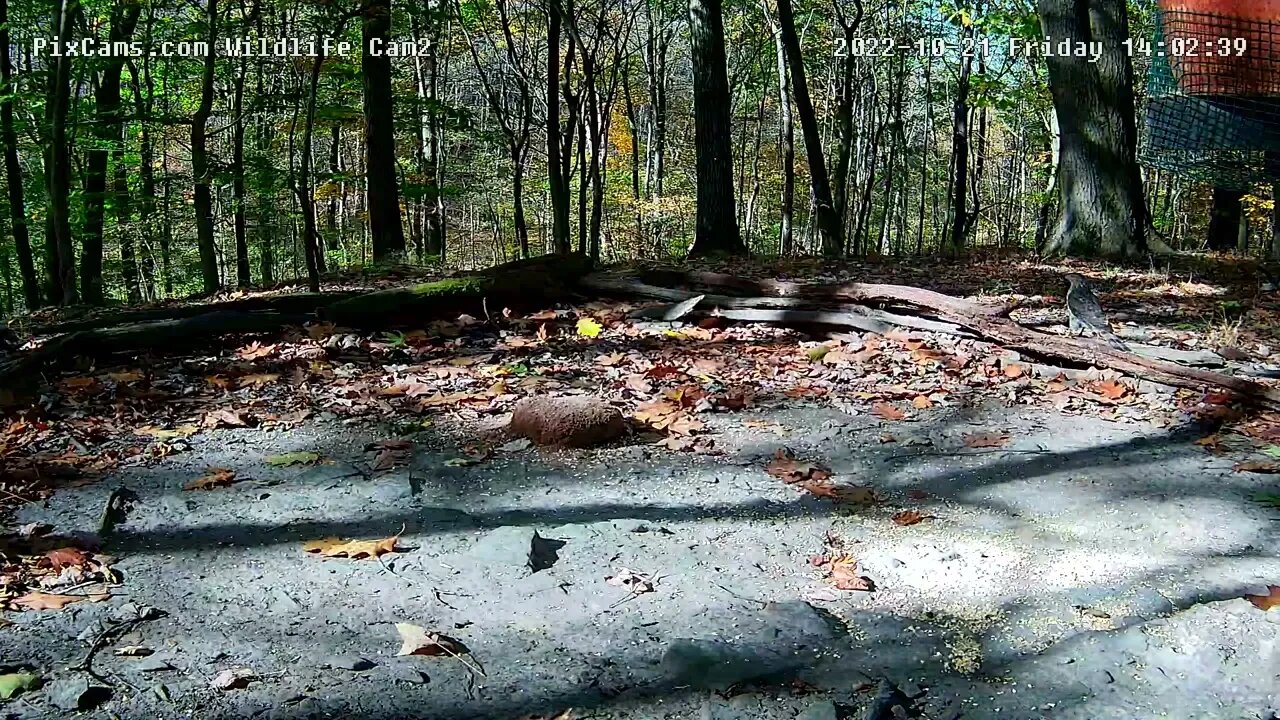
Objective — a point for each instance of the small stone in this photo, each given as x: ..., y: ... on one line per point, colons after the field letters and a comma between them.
x: 410, y: 675
x: 233, y: 679
x: 77, y: 693
x: 354, y: 663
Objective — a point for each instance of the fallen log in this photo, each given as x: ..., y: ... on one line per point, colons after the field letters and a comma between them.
x: 169, y: 334
x: 769, y: 309
x: 520, y: 283
x: 289, y: 304
x: 986, y: 322
x: 861, y: 293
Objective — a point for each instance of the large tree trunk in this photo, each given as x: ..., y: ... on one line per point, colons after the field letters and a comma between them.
x: 556, y: 180
x: 241, y: 221
x: 61, y: 246
x: 124, y: 223
x: 435, y: 219
x: 385, y: 228
x: 717, y: 226
x: 303, y: 186
x: 828, y: 222
x: 201, y: 168
x: 787, y: 139
x: 13, y: 170
x: 960, y: 153
x: 107, y: 132
x: 1102, y: 210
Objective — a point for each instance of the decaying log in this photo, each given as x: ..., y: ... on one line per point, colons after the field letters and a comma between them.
x: 986, y: 322
x: 294, y: 303
x: 166, y: 334
x: 521, y: 283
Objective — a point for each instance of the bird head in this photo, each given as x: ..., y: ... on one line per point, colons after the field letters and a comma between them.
x: 1076, y: 280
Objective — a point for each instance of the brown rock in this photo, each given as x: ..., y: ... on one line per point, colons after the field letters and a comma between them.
x: 574, y: 421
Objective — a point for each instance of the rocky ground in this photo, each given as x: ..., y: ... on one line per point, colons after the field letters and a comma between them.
x: 1087, y: 569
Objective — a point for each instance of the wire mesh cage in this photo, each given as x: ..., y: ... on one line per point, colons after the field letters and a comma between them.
x: 1213, y: 110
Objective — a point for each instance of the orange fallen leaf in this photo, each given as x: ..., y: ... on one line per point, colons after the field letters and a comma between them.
x: 1014, y: 371
x: 986, y: 440
x: 215, y: 477
x: 353, y: 549
x: 887, y: 411
x: 1256, y: 466
x: 1111, y: 390
x: 1266, y: 602
x: 66, y: 557
x: 258, y: 379
x: 909, y: 517
x: 44, y: 601
x: 921, y: 402
x: 787, y: 468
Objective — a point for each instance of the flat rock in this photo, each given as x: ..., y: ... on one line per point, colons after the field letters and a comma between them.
x: 572, y: 421
x: 77, y: 693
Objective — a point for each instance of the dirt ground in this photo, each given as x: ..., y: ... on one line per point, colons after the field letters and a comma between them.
x: 1087, y: 569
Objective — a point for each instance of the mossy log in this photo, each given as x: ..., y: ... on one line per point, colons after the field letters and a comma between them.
x: 522, y: 283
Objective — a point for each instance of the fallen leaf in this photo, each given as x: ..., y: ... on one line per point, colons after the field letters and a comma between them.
x: 908, y: 517
x: 213, y: 478
x: 415, y: 640
x: 985, y: 440
x: 787, y: 468
x: 295, y: 458
x: 842, y: 573
x: 921, y: 402
x: 517, y: 445
x: 588, y: 327
x: 915, y: 494
x: 44, y: 601
x: 126, y: 376
x: 13, y: 683
x: 391, y: 453
x: 66, y: 557
x: 1014, y: 371
x: 258, y: 379
x: 1256, y: 466
x: 637, y: 583
x: 133, y: 651
x: 353, y: 549
x: 233, y: 679
x: 1266, y: 602
x: 226, y: 418
x: 1111, y: 390
x: 887, y: 411
x: 179, y: 431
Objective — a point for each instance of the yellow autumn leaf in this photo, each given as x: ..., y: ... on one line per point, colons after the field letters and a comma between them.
x: 588, y: 327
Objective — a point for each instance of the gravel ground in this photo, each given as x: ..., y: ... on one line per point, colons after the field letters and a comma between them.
x: 1087, y: 570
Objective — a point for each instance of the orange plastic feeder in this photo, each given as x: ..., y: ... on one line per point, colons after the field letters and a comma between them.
x: 1200, y: 40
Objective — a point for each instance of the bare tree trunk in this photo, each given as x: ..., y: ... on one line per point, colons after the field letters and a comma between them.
x: 385, y: 227
x: 828, y: 223
x: 1102, y: 210
x: 201, y: 168
x: 717, y: 228
x: 13, y: 170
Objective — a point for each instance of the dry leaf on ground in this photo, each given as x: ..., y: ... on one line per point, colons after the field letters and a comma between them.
x: 986, y: 440
x: 887, y: 411
x: 215, y: 477
x: 1266, y: 602
x: 842, y: 573
x: 637, y: 583
x: 233, y: 679
x: 1257, y: 466
x: 415, y: 640
x: 44, y: 601
x: 353, y: 549
x: 789, y: 469
x: 909, y: 517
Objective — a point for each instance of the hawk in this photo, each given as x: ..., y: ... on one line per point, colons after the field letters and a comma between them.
x: 1085, y: 312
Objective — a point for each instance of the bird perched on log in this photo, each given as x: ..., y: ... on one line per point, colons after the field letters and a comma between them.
x: 1085, y: 312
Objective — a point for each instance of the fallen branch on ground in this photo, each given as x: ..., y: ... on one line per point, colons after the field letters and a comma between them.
x: 849, y: 305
